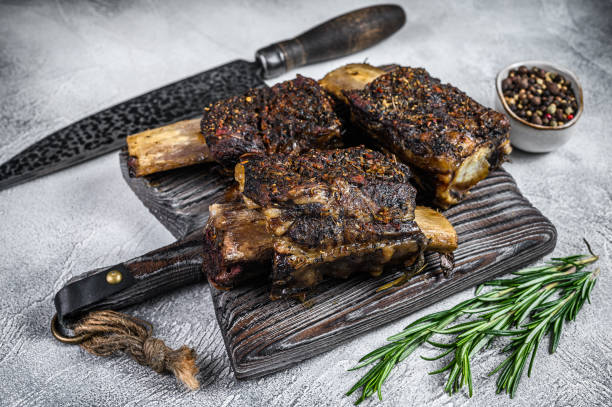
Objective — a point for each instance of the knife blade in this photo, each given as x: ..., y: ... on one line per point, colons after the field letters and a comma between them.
x: 106, y: 130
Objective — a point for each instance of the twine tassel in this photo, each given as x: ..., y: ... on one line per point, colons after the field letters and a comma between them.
x: 111, y: 332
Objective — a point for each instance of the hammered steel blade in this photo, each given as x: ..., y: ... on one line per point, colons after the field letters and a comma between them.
x: 106, y: 130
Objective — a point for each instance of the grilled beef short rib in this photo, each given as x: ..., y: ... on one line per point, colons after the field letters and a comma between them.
x: 317, y: 215
x: 332, y: 213
x: 291, y: 116
x: 449, y: 140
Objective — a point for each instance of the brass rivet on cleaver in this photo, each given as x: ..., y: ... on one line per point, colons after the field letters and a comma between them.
x: 114, y: 277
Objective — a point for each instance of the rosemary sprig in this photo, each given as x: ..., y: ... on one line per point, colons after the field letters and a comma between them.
x: 524, y: 308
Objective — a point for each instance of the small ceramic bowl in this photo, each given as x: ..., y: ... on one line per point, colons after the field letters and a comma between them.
x: 532, y: 137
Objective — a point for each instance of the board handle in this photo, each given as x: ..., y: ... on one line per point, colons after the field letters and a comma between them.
x: 133, y: 281
x: 340, y: 36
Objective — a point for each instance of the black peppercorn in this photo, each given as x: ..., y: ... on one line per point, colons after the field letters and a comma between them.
x: 507, y: 84
x: 553, y: 88
x: 535, y: 119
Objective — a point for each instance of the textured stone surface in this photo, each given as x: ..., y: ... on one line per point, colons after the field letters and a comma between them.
x: 60, y: 61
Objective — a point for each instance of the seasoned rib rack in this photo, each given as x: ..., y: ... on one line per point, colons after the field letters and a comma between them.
x: 450, y: 141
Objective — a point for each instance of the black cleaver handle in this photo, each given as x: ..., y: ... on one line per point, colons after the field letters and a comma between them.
x: 340, y: 36
x: 133, y: 281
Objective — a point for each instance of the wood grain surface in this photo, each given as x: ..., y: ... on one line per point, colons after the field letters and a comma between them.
x: 499, y: 231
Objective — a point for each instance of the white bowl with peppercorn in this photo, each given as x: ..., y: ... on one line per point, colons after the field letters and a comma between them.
x: 543, y: 101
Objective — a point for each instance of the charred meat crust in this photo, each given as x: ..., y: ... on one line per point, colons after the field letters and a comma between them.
x: 295, y: 115
x: 434, y: 127
x: 314, y: 180
x: 327, y: 198
x: 417, y: 113
x: 333, y: 213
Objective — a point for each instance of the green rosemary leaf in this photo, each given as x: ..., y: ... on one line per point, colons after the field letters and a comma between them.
x: 530, y: 270
x: 533, y: 354
x: 443, y: 369
x: 373, y: 356
x: 440, y: 345
x: 481, y: 310
x: 440, y: 356
x: 408, y: 351
x: 457, y: 328
x: 409, y: 331
x: 506, y: 332
x: 467, y: 373
x: 450, y: 384
x: 591, y: 285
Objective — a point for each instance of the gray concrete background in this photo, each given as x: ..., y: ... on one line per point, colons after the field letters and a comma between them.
x: 60, y: 61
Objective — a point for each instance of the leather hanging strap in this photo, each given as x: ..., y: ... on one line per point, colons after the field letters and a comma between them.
x: 133, y: 281
x: 89, y: 289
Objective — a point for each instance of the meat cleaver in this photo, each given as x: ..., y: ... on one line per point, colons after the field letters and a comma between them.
x: 106, y: 130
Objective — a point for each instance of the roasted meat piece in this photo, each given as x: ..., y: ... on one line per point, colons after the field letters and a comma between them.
x: 332, y: 213
x: 449, y: 140
x: 304, y: 218
x: 291, y: 116
x: 239, y: 248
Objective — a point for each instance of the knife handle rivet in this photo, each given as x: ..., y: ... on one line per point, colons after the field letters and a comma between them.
x: 114, y: 277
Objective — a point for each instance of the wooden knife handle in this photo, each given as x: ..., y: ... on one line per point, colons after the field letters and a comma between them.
x: 133, y: 281
x: 335, y: 38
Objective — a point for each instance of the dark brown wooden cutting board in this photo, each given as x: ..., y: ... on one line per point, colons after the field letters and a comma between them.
x: 499, y: 232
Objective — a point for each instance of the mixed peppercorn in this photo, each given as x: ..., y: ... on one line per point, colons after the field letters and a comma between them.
x: 540, y: 97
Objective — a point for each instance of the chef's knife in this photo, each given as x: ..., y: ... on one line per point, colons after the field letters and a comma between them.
x: 106, y: 130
